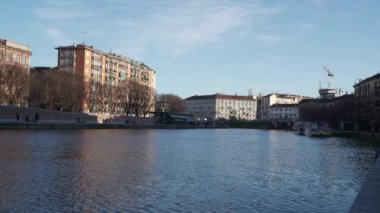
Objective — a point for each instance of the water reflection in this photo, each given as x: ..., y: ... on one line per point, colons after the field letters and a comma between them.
x: 174, y: 170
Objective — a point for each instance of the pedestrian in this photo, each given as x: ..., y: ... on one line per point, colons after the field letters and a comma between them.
x: 27, y: 118
x: 36, y: 117
x: 17, y: 116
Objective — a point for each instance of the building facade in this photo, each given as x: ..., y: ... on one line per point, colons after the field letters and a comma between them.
x: 284, y: 112
x: 104, y: 67
x: 11, y: 52
x: 367, y: 103
x: 14, y: 73
x: 98, y: 67
x: 220, y: 106
x: 274, y: 98
x: 327, y: 93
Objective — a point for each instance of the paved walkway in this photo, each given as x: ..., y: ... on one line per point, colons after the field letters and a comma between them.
x: 21, y: 121
x: 368, y: 199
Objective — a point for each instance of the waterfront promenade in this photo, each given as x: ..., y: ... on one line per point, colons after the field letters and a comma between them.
x: 368, y: 199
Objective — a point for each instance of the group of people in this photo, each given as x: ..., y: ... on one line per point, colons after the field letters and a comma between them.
x: 29, y: 118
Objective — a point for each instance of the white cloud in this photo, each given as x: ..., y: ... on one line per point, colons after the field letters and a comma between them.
x: 268, y: 39
x: 62, y: 10
x: 169, y: 27
x: 57, y: 36
x: 182, y: 27
x: 306, y: 26
x: 58, y: 14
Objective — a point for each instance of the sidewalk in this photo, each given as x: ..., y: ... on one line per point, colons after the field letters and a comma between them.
x: 368, y: 199
x: 22, y: 121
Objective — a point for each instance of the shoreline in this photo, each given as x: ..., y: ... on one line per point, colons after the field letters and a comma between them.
x: 26, y: 126
x: 75, y: 125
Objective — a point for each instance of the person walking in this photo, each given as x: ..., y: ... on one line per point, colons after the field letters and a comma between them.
x: 36, y: 117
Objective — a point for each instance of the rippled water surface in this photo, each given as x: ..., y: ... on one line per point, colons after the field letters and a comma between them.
x: 179, y: 170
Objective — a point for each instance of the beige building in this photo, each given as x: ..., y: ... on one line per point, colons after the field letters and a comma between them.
x: 11, y: 52
x: 267, y: 101
x: 14, y: 91
x: 284, y: 112
x: 104, y: 68
x: 219, y: 106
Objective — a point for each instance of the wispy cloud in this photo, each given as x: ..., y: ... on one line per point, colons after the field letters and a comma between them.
x: 306, y: 26
x: 62, y: 10
x: 58, y: 14
x: 182, y: 27
x: 170, y: 28
x: 268, y: 39
x: 57, y: 36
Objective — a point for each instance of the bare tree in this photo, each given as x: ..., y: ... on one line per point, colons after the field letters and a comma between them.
x: 124, y: 97
x: 148, y: 100
x: 170, y: 103
x: 14, y: 84
x: 91, y: 96
x: 57, y: 89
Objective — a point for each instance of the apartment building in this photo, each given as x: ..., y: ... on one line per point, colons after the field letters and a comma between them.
x: 284, y: 112
x: 103, y: 67
x: 267, y: 101
x: 367, y: 103
x: 15, y: 58
x: 109, y: 69
x: 11, y: 52
x: 218, y: 106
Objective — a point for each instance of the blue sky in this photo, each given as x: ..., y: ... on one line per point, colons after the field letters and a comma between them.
x: 208, y: 46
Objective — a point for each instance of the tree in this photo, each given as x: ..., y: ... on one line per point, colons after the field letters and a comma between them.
x: 170, y: 103
x: 14, y: 84
x: 57, y: 89
x: 332, y: 111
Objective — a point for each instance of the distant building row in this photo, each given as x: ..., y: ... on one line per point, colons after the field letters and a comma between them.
x: 95, y: 66
x: 272, y: 107
x: 105, y: 68
x: 220, y: 106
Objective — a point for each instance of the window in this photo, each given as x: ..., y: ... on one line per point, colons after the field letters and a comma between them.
x: 16, y: 58
x: 10, y: 57
x: 1, y: 54
x: 377, y: 104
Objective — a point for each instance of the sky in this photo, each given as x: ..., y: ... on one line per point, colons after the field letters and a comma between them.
x: 203, y: 47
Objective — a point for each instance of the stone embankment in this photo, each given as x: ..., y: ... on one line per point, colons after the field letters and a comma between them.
x: 12, y: 117
x: 357, y: 134
x: 368, y: 199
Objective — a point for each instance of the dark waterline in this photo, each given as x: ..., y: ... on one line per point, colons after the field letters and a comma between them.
x: 177, y: 170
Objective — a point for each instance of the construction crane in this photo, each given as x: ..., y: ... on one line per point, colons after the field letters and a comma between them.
x: 330, y: 75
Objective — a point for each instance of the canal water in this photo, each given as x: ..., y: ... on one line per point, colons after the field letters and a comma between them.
x: 227, y: 170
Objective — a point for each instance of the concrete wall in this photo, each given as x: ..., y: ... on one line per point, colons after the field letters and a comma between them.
x: 127, y: 120
x: 9, y: 113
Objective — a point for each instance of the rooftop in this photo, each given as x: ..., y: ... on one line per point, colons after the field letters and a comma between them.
x: 376, y: 76
x: 110, y: 54
x: 219, y: 96
x: 284, y: 105
x: 14, y: 45
x: 283, y: 95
